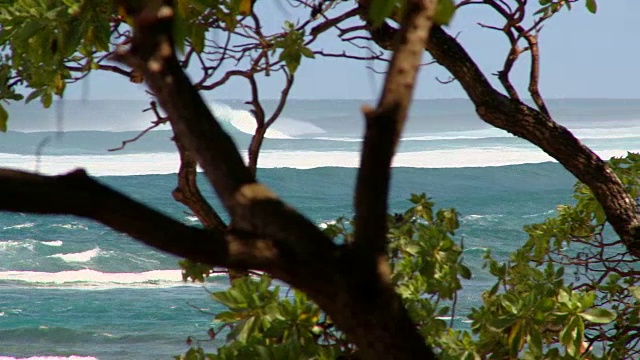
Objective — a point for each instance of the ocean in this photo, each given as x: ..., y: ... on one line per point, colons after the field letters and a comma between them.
x: 74, y: 289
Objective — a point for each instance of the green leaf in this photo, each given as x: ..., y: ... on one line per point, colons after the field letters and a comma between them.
x: 598, y: 315
x: 306, y: 52
x: 46, y: 99
x: 464, y: 272
x: 635, y: 292
x: 34, y: 94
x: 535, y: 342
x: 197, y: 39
x: 444, y: 12
x: 592, y: 6
x: 4, y: 116
x: 380, y: 10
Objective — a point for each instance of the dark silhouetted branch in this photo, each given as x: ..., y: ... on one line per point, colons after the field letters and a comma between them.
x: 77, y: 194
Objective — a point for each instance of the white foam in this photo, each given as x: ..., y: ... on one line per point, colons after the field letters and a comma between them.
x: 71, y: 226
x: 454, y: 158
x: 52, y: 243
x: 19, y: 226
x: 78, y: 257
x: 92, y: 279
x: 243, y: 121
x: 8, y: 244
x: 167, y: 163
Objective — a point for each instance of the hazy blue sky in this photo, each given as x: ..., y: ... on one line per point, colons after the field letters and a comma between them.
x: 583, y: 56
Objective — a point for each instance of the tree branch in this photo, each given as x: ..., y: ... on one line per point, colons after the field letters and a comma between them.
x: 384, y: 126
x: 530, y: 124
x: 77, y: 194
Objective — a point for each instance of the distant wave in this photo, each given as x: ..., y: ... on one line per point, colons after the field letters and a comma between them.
x: 167, y: 163
x: 92, y: 279
x: 243, y: 120
x: 71, y: 226
x: 19, y: 226
x: 10, y: 244
x: 52, y: 243
x: 83, y: 256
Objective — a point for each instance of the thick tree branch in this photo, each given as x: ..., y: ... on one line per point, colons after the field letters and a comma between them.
x: 554, y: 139
x: 77, y: 194
x: 384, y: 126
x: 530, y: 124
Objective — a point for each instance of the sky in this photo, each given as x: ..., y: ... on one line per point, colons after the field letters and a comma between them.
x: 582, y: 56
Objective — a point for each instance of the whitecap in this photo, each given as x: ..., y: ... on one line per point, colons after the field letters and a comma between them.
x: 71, y: 226
x: 19, y: 226
x: 539, y: 214
x: 52, y: 243
x: 167, y: 163
x: 11, y: 244
x: 476, y: 248
x: 78, y: 257
x: 96, y: 280
x: 243, y: 121
x: 477, y: 217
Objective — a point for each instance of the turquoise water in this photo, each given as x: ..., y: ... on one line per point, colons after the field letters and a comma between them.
x: 71, y: 286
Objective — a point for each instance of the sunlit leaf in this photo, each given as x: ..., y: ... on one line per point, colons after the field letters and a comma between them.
x: 599, y: 315
x: 245, y: 7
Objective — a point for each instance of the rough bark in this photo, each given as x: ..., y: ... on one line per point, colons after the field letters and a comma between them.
x: 530, y: 124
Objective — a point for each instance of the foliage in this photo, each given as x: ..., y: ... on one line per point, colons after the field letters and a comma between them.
x: 537, y: 308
